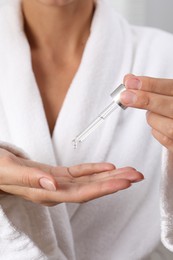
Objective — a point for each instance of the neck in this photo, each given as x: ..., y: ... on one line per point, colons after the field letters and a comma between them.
x: 57, y: 29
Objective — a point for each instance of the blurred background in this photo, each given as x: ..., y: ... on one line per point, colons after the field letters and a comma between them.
x: 155, y: 13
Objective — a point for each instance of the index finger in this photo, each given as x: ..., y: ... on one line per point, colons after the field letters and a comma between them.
x: 72, y: 171
x: 149, y: 84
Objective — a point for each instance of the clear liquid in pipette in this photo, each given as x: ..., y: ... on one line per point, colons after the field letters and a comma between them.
x: 95, y: 124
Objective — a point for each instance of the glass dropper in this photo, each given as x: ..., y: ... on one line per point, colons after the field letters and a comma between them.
x: 102, y: 116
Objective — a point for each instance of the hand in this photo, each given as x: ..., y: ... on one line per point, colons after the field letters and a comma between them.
x: 156, y: 96
x: 49, y: 185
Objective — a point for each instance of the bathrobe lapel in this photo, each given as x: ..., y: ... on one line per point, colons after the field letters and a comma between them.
x: 28, y: 130
x: 24, y: 109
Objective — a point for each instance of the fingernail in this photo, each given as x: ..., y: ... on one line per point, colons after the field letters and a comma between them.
x: 47, y: 184
x: 133, y: 83
x: 128, y: 98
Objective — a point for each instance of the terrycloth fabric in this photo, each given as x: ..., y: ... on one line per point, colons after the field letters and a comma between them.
x: 122, y: 226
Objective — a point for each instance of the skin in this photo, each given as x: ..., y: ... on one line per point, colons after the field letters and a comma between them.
x: 57, y: 31
x: 156, y: 96
x: 80, y: 183
x: 56, y: 2
x: 57, y: 44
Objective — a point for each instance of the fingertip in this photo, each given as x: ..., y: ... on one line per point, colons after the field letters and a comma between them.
x: 129, y: 174
x: 127, y: 77
x: 139, y: 180
x: 138, y: 177
x: 108, y: 166
x: 117, y: 185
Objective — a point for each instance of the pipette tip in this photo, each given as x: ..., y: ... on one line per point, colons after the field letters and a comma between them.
x: 75, y: 144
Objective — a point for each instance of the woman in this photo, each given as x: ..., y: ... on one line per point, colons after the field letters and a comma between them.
x: 59, y: 61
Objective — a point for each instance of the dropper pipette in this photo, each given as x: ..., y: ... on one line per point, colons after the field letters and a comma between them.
x: 102, y: 116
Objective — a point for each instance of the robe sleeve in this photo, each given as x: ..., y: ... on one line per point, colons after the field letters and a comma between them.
x: 15, y: 244
x: 13, y: 149
x: 166, y: 200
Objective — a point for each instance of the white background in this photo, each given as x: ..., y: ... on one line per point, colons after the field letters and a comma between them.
x: 155, y: 13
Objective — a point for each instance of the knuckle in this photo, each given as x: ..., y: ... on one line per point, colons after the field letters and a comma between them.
x: 145, y: 100
x: 142, y: 99
x: 152, y: 83
x: 29, y: 177
x: 25, y: 179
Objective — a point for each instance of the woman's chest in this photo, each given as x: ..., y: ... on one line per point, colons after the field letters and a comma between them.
x: 53, y: 84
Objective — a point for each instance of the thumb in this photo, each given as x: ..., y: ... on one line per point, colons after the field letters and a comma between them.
x: 31, y: 177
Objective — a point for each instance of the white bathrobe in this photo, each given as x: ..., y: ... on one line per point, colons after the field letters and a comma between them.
x: 124, y: 226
